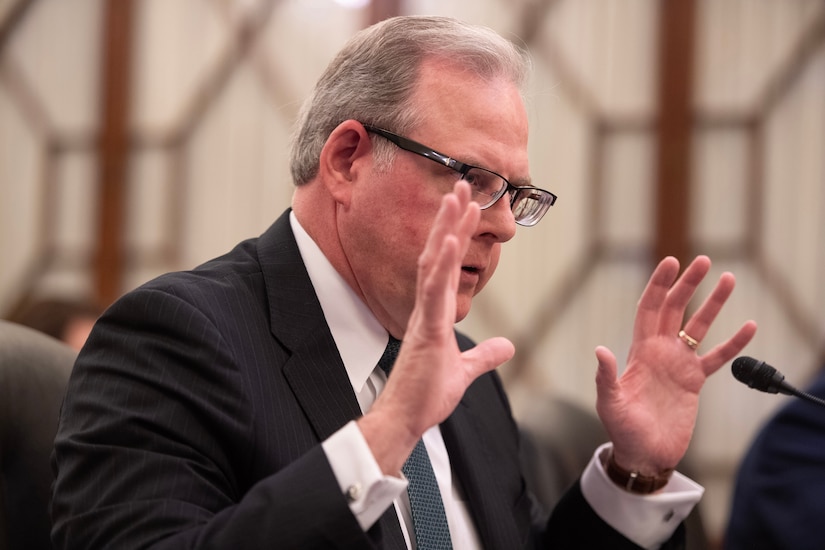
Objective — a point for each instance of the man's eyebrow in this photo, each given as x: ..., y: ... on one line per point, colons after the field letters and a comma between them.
x: 526, y: 181
x: 470, y: 160
x: 522, y: 182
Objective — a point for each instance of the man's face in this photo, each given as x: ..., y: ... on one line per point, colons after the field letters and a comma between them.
x: 478, y: 122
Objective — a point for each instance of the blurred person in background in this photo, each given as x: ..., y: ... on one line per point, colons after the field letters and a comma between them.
x: 67, y: 319
x: 779, y: 496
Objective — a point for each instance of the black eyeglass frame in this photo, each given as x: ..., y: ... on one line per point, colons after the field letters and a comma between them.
x: 463, y: 168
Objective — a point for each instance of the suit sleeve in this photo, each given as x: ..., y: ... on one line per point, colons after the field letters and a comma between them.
x: 154, y: 443
x: 574, y: 525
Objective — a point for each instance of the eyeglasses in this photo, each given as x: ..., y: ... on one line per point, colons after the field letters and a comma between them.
x: 528, y: 203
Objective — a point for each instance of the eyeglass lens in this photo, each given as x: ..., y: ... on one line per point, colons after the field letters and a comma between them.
x: 528, y: 205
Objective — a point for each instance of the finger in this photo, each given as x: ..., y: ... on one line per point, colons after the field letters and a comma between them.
x: 445, y: 219
x: 679, y: 295
x: 653, y: 296
x: 439, y: 265
x: 724, y: 352
x: 438, y: 285
x: 487, y: 355
x: 450, y: 218
x: 699, y: 323
x: 463, y: 191
x: 468, y: 223
x: 606, y: 374
x: 466, y: 229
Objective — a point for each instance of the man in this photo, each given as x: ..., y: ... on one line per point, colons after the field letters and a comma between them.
x: 239, y: 405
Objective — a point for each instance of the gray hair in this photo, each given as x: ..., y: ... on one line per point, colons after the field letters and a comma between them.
x: 373, y: 76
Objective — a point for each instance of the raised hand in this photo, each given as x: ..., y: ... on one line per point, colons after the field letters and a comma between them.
x: 431, y: 374
x: 650, y: 411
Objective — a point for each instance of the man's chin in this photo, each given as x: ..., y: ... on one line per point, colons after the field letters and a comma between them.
x: 462, y: 308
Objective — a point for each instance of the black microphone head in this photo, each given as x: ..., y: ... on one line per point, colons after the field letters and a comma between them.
x: 757, y: 374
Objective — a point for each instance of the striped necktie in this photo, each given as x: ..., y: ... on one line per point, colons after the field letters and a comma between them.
x: 429, y: 518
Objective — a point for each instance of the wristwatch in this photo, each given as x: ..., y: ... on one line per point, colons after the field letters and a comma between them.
x: 633, y: 482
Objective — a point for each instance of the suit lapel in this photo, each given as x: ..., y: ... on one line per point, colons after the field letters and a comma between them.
x: 318, y: 379
x: 467, y: 440
x: 315, y: 372
x: 468, y: 445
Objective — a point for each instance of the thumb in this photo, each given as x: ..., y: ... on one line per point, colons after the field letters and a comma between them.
x: 487, y: 356
x: 606, y: 373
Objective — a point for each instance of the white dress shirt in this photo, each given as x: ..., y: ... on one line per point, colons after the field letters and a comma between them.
x: 647, y: 520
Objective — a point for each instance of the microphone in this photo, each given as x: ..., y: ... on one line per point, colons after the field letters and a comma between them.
x: 761, y: 376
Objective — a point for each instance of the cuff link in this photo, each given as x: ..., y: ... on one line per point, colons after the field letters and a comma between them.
x: 353, y: 492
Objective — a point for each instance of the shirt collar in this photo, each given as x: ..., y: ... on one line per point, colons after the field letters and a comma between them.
x: 359, y: 336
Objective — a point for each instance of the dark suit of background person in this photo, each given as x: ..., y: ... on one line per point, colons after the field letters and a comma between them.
x: 236, y: 381
x: 779, y: 499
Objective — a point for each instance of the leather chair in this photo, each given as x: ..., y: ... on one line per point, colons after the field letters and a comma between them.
x: 34, y: 370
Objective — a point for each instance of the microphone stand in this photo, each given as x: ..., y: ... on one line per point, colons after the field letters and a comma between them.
x: 806, y: 396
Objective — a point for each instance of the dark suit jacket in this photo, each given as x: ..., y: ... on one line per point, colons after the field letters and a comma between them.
x: 779, y: 499
x: 195, y: 413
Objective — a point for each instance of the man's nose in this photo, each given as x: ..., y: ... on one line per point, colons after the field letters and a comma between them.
x: 498, y: 221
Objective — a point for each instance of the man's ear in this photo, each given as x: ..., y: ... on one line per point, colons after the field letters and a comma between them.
x: 344, y: 159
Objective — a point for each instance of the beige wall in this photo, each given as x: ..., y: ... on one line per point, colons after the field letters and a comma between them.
x: 208, y: 169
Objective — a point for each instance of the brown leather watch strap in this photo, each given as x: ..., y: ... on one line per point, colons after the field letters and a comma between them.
x: 633, y: 482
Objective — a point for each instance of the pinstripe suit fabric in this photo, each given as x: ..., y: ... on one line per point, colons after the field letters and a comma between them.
x: 194, y: 415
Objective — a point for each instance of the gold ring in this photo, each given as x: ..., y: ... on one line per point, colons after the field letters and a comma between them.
x: 692, y: 343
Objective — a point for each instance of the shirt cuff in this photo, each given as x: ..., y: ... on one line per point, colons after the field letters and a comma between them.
x: 647, y: 520
x: 367, y: 490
